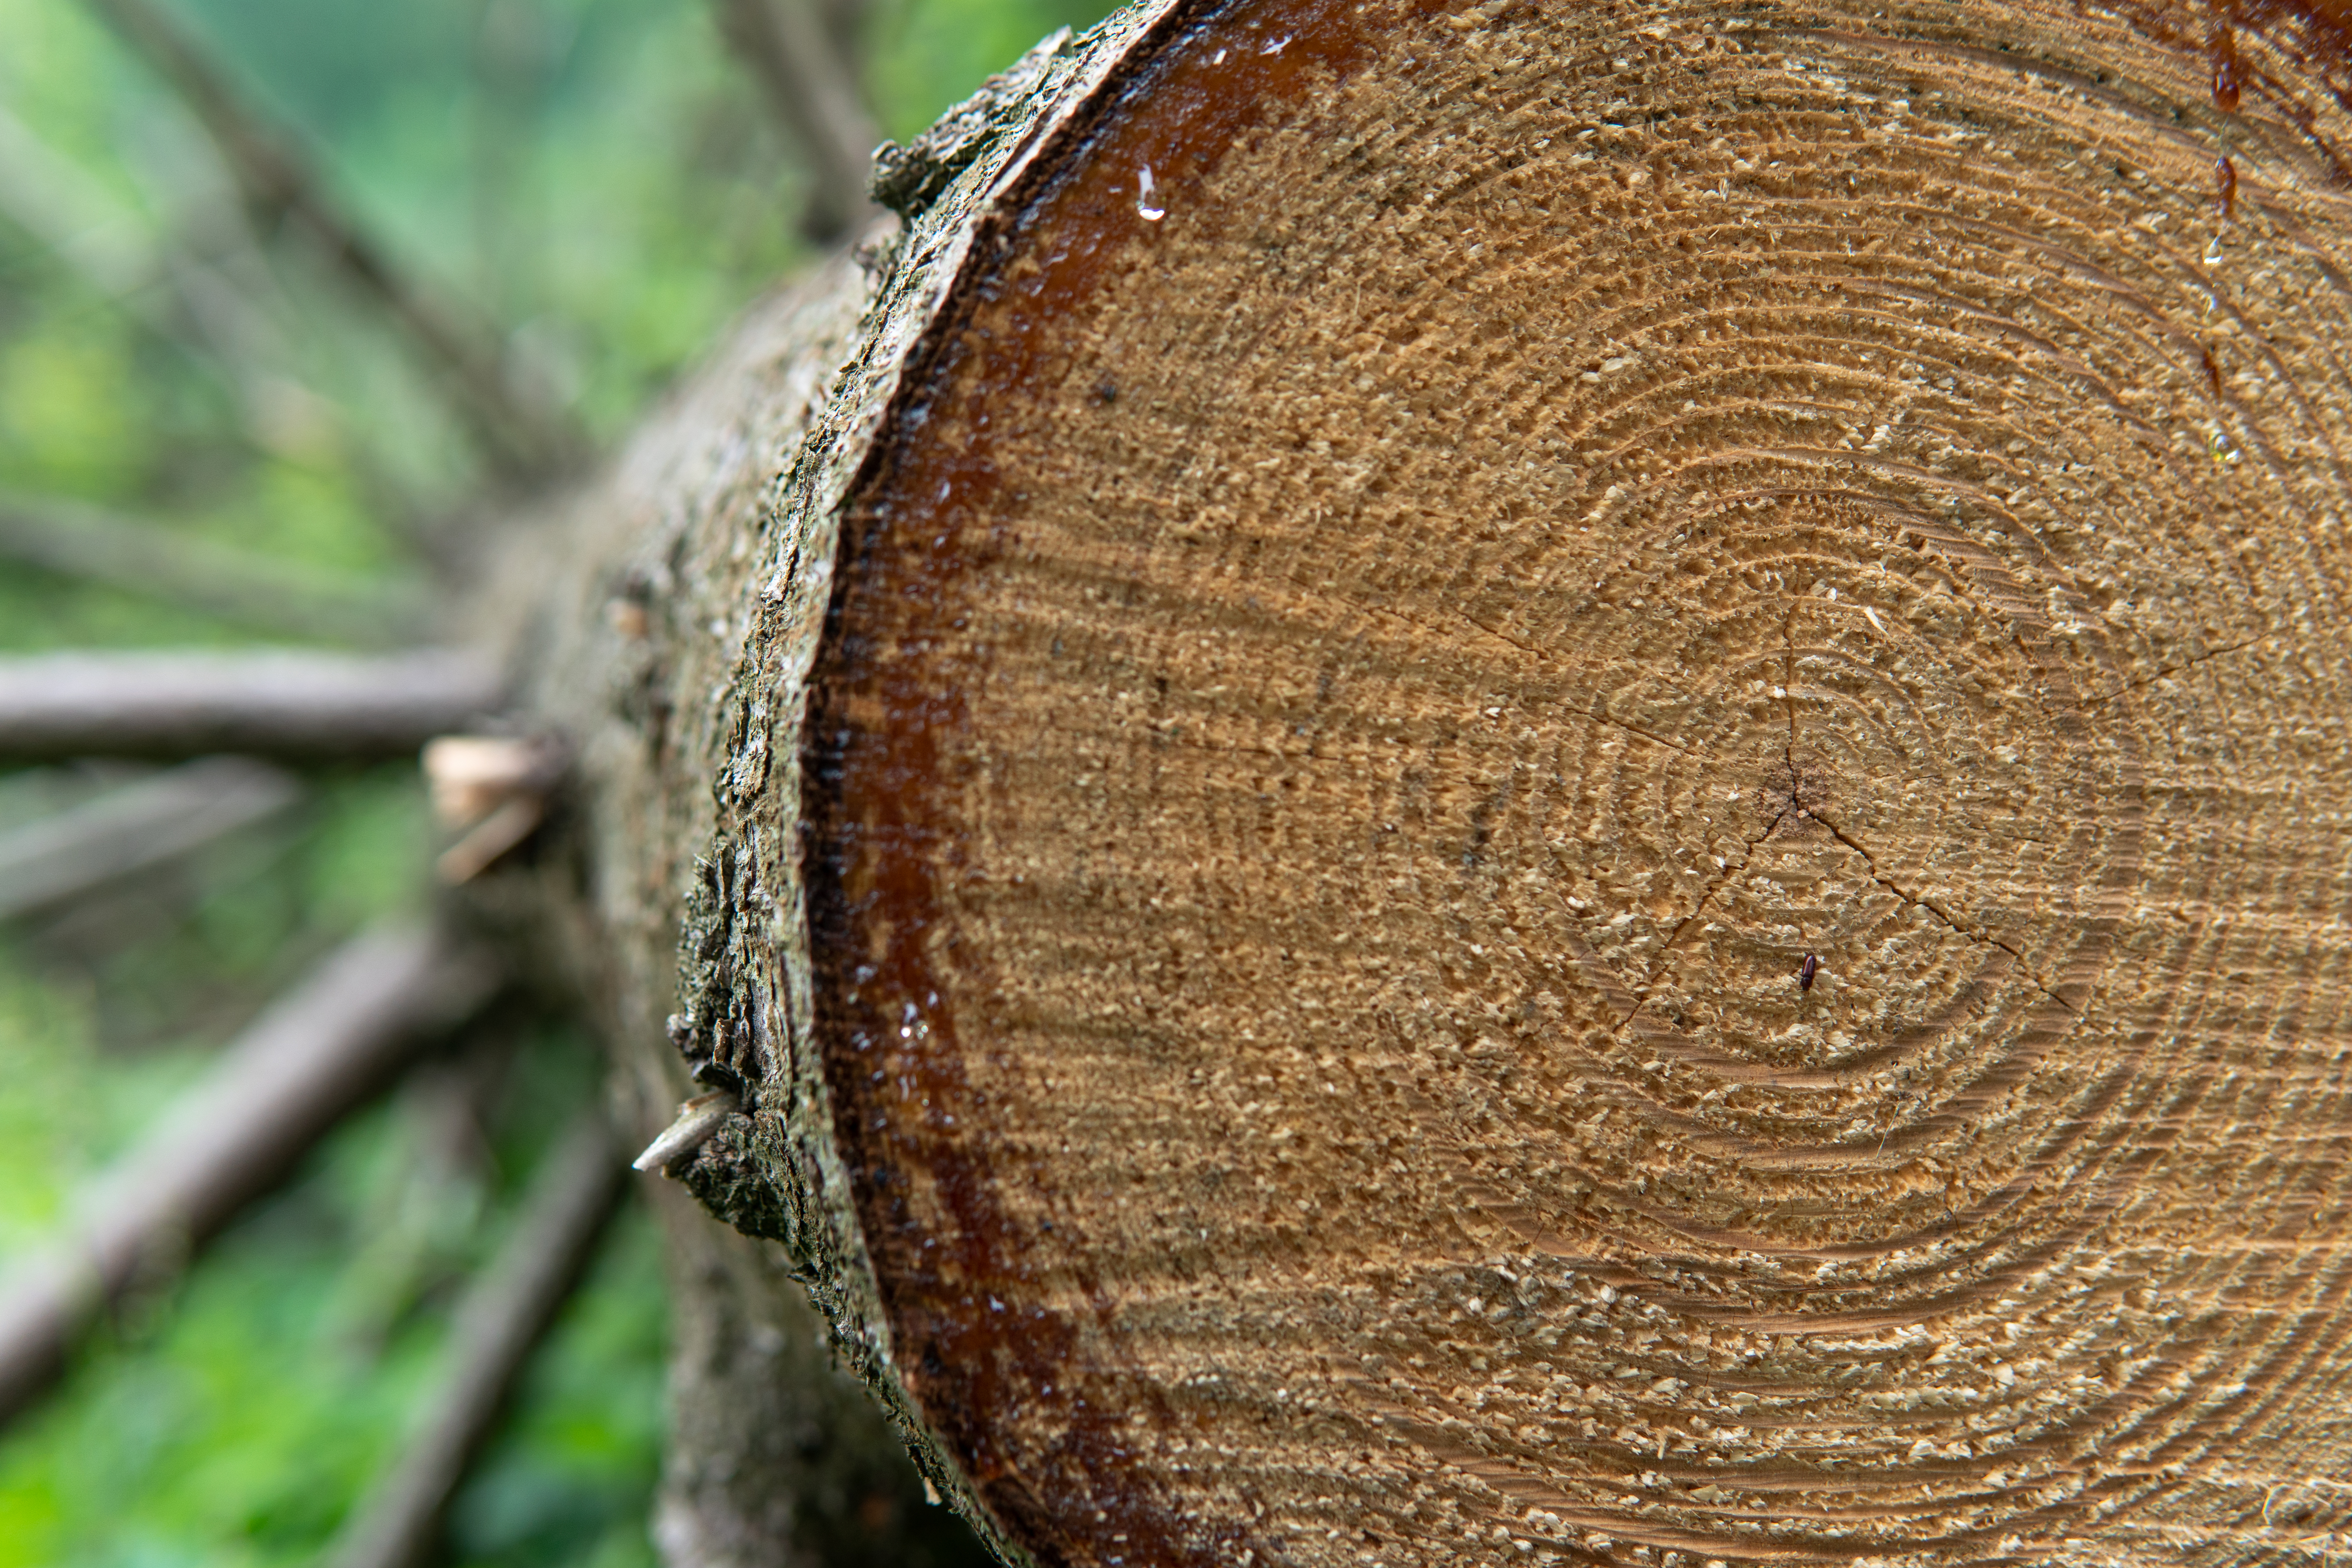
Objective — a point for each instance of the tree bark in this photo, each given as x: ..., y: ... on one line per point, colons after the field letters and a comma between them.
x: 1467, y: 783
x: 778, y: 1457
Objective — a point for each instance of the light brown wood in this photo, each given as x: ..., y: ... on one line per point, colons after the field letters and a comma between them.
x: 1429, y: 560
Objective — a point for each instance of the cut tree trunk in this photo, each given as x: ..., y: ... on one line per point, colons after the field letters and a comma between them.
x: 1541, y: 781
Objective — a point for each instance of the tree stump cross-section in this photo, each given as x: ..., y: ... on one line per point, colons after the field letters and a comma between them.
x: 1429, y: 560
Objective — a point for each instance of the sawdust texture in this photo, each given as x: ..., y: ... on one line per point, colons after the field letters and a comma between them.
x: 1444, y: 555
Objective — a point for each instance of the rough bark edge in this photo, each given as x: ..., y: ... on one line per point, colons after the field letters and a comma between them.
x: 641, y: 584
x: 746, y: 979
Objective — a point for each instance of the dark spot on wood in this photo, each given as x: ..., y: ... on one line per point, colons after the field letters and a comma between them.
x: 2226, y: 90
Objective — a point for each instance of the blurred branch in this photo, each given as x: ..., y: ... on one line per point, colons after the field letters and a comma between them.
x: 846, y: 22
x: 812, y: 85
x: 184, y: 294
x: 135, y: 828
x: 522, y: 434
x: 502, y: 1318
x: 70, y: 213
x: 273, y: 704
x: 77, y: 541
x: 119, y: 253
x: 304, y: 1063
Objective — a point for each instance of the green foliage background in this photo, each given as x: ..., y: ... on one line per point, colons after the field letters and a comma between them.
x: 600, y: 176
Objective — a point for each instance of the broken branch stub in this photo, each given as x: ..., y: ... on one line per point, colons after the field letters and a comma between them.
x: 492, y: 790
x: 1566, y: 779
x: 297, y: 705
x: 280, y: 1086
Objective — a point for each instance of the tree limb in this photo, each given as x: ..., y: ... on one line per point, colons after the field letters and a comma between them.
x: 502, y: 1318
x: 189, y: 295
x: 78, y: 541
x: 56, y: 203
x: 123, y: 255
x: 133, y: 829
x: 291, y: 1077
x: 811, y: 86
x: 272, y: 704
x: 521, y: 432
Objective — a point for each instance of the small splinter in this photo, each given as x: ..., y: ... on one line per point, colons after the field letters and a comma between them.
x: 1143, y: 207
x: 1807, y: 970
x: 698, y: 1118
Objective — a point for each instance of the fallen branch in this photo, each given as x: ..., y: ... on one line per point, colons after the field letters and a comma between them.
x: 813, y: 88
x: 524, y: 434
x: 504, y: 1316
x: 291, y: 1077
x: 270, y: 704
x: 78, y: 541
x: 135, y: 828
x: 122, y: 255
x: 192, y: 296
x: 70, y: 213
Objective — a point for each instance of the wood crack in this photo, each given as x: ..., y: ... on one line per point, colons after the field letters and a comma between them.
x: 2129, y: 687
x: 1934, y: 909
x: 1796, y: 804
x: 1706, y: 896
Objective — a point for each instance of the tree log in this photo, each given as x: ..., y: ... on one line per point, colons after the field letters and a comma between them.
x: 1539, y: 781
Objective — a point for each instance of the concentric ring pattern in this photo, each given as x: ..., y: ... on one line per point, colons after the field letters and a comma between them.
x: 1586, y: 800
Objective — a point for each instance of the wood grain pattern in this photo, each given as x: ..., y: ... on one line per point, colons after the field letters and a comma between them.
x: 1368, y: 658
